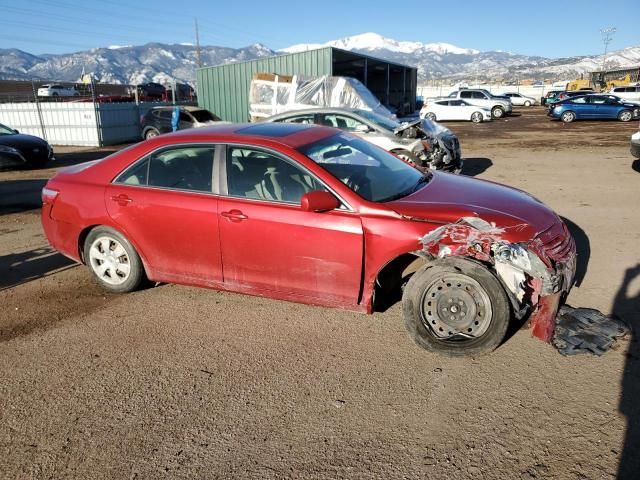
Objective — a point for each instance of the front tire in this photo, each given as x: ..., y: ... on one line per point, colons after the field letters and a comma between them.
x: 456, y: 307
x: 113, y: 261
x: 568, y: 117
x: 497, y: 112
x: 625, y: 116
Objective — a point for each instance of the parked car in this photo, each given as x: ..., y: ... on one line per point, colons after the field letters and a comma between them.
x: 157, y: 120
x: 57, y: 90
x: 550, y: 96
x: 20, y: 150
x: 594, y: 107
x: 520, y: 100
x: 628, y: 92
x: 446, y: 109
x: 568, y: 94
x: 499, y: 107
x: 422, y: 143
x: 316, y: 215
x: 150, y: 90
x: 183, y: 92
x: 635, y: 144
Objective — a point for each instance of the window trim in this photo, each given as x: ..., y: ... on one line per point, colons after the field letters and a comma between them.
x: 215, y: 171
x: 344, y: 205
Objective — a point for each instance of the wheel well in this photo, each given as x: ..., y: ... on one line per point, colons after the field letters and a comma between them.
x: 392, y: 277
x: 82, y: 238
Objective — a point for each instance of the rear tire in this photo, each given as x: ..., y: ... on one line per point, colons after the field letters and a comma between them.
x: 476, y: 117
x: 625, y: 116
x: 431, y: 116
x: 568, y: 117
x: 527, y: 103
x: 114, y: 262
x: 151, y: 133
x: 497, y: 112
x: 456, y: 307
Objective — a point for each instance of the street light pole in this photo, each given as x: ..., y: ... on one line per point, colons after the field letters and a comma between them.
x: 607, y: 36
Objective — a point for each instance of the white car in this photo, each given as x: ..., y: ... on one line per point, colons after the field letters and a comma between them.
x: 628, y: 92
x: 57, y: 90
x: 454, y: 109
x: 520, y: 100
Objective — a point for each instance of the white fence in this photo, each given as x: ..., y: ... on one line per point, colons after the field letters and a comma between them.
x: 77, y: 123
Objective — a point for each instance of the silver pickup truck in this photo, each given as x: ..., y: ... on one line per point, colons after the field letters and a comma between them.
x: 499, y: 106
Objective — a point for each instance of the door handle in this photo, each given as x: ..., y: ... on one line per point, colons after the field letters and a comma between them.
x: 121, y: 199
x: 234, y: 215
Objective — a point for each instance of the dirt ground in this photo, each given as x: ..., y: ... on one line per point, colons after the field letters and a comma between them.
x: 179, y: 382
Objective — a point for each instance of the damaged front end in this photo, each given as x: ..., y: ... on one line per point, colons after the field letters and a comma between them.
x: 537, y: 274
x: 441, y: 146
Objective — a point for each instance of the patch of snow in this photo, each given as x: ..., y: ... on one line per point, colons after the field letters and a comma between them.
x: 118, y: 47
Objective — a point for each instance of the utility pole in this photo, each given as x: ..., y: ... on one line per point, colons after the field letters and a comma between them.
x: 607, y: 36
x: 198, y: 56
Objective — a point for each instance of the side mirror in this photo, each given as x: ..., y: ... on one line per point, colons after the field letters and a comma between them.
x: 318, y: 201
x: 362, y: 128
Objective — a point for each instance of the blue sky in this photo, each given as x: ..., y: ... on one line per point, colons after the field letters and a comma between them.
x: 543, y: 27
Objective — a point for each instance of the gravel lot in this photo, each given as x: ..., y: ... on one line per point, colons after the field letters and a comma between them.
x: 179, y: 382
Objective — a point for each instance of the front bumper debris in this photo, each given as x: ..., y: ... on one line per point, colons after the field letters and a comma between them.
x: 585, y: 330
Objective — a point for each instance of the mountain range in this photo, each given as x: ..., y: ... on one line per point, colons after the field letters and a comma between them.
x: 164, y: 62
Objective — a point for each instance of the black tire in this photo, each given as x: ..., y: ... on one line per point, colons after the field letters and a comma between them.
x: 470, y: 285
x: 431, y: 116
x: 136, y: 276
x: 625, y: 116
x: 568, y: 116
x: 151, y: 133
x: 497, y: 112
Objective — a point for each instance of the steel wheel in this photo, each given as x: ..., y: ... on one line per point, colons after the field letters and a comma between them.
x: 476, y: 117
x: 625, y: 116
x: 568, y: 117
x: 456, y: 307
x: 109, y: 260
x: 431, y: 116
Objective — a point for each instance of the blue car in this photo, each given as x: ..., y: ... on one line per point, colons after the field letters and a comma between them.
x: 594, y: 107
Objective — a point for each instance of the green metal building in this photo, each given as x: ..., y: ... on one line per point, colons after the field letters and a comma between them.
x: 224, y: 89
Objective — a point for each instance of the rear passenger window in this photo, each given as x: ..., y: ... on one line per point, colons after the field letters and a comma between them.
x: 182, y: 168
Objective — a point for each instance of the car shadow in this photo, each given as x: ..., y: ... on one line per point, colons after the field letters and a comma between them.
x: 19, y: 268
x: 636, y: 165
x: 626, y: 306
x: 475, y: 166
x: 20, y: 195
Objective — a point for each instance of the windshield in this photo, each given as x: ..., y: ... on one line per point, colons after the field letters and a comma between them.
x: 4, y: 130
x: 369, y: 171
x: 378, y: 119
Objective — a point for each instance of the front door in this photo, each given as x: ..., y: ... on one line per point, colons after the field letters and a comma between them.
x: 167, y: 206
x: 269, y: 243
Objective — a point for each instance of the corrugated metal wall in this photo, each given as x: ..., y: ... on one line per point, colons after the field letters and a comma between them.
x: 224, y: 89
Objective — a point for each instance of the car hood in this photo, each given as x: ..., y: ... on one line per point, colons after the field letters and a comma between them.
x: 447, y: 198
x: 21, y: 141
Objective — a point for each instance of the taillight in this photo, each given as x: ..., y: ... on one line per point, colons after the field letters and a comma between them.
x: 49, y: 196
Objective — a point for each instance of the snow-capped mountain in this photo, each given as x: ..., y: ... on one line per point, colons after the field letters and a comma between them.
x: 373, y: 41
x: 164, y: 63
x: 153, y: 62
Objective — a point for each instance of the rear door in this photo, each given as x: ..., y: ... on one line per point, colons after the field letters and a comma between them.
x: 269, y: 243
x: 167, y: 205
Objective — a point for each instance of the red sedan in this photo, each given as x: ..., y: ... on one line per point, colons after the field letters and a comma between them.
x: 315, y: 215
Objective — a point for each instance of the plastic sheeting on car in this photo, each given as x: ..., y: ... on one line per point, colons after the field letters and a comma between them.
x: 272, y: 94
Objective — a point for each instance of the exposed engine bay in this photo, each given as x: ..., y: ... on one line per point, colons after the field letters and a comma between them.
x: 441, y: 146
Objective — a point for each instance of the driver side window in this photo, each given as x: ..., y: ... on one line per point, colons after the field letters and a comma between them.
x: 342, y: 122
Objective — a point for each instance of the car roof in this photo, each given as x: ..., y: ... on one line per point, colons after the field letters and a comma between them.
x: 188, y: 108
x: 290, y: 134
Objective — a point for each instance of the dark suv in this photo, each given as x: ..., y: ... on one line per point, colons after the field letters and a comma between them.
x: 151, y: 91
x: 157, y: 120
